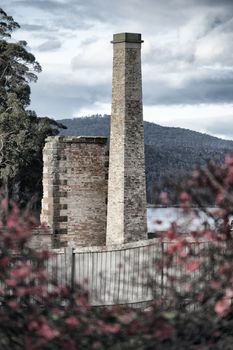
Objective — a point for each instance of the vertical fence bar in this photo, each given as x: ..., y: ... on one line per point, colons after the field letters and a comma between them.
x: 73, y: 269
x: 162, y: 269
x: 69, y: 273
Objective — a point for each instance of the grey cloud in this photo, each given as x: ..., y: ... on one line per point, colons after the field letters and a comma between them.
x: 65, y: 10
x: 228, y: 26
x: 60, y: 101
x: 39, y: 30
x: 154, y: 18
x: 32, y: 27
x: 196, y: 91
x: 214, y: 2
x: 101, y: 10
x: 165, y: 56
x: 69, y: 14
x: 221, y: 126
x: 208, y: 89
x: 223, y: 25
x: 49, y: 45
x: 41, y: 4
x: 73, y: 14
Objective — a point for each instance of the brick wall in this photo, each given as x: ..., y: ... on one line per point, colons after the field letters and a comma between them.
x: 75, y: 189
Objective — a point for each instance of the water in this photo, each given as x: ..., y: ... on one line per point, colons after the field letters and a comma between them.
x: 160, y: 219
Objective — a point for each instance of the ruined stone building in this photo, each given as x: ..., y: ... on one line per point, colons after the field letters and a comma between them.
x: 90, y: 197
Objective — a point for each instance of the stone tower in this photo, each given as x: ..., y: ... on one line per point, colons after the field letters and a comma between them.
x: 126, y: 214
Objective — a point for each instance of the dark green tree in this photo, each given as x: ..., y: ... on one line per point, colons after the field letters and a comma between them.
x: 22, y: 133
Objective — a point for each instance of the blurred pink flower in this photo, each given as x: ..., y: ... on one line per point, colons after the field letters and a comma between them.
x: 229, y: 159
x: 110, y: 328
x: 163, y: 197
x: 222, y: 307
x: 21, y: 271
x: 193, y: 266
x: 47, y: 332
x: 185, y: 197
x: 72, y: 321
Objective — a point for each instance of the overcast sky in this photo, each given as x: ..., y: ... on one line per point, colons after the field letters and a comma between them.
x: 187, y: 57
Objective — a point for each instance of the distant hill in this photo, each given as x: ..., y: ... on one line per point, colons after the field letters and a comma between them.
x: 170, y: 152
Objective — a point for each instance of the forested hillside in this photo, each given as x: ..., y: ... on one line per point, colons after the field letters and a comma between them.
x: 170, y: 152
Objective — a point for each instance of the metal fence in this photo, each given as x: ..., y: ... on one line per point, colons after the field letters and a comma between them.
x: 124, y: 275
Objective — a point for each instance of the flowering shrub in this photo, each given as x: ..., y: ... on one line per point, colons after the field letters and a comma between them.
x: 198, y: 268
x: 194, y: 311
x: 37, y: 313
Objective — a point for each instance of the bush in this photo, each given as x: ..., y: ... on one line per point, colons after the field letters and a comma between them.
x: 195, y: 311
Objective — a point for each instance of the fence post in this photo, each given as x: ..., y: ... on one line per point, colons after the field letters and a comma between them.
x: 162, y: 270
x: 69, y: 266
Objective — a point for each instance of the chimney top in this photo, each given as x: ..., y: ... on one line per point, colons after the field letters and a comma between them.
x: 127, y: 37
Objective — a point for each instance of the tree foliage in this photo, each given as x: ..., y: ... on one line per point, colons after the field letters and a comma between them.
x: 22, y: 133
x: 17, y: 64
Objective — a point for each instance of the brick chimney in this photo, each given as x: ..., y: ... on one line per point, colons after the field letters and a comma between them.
x: 126, y: 214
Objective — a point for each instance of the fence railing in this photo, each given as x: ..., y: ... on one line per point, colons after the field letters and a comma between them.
x: 116, y: 275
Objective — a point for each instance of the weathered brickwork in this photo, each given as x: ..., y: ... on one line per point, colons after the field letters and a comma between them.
x: 126, y: 218
x: 41, y: 239
x: 75, y: 189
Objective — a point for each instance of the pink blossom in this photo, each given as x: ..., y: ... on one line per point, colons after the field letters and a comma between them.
x: 229, y: 178
x: 163, y: 197
x: 183, y: 254
x: 11, y: 282
x: 23, y: 232
x: 4, y: 203
x: 11, y: 222
x: 215, y: 284
x: 225, y: 268
x: 164, y: 332
x: 176, y: 246
x: 21, y: 272
x: 222, y: 307
x: 184, y: 197
x: 229, y: 293
x: 126, y: 318
x: 220, y: 198
x: 21, y: 291
x: 63, y: 290
x: 47, y: 332
x: 195, y: 174
x: 40, y: 291
x: 42, y: 274
x: 72, y: 321
x: 82, y: 301
x: 43, y: 255
x: 188, y: 287
x: 13, y: 304
x: 193, y: 266
x: 33, y: 325
x: 210, y: 235
x: 172, y: 249
x: 171, y: 234
x: 4, y: 261
x: 229, y: 159
x: 110, y: 328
